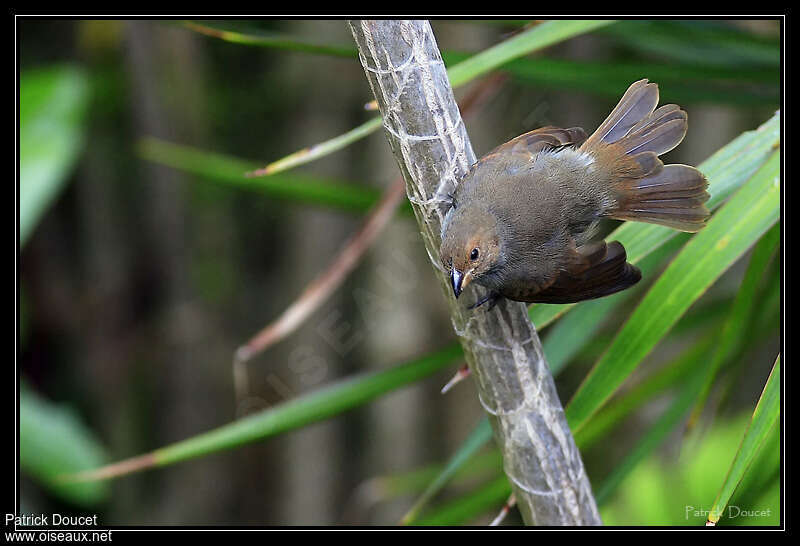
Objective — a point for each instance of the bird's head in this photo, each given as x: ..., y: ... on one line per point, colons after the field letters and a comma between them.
x: 470, y: 246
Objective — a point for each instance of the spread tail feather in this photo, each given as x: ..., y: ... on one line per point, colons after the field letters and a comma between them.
x: 636, y: 104
x: 642, y: 189
x: 673, y: 197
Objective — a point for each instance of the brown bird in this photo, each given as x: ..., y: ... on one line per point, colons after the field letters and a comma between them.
x: 523, y: 216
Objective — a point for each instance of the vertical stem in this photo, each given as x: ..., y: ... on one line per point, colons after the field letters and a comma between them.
x: 430, y: 142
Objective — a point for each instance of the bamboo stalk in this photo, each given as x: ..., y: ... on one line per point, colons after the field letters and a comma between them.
x: 429, y: 140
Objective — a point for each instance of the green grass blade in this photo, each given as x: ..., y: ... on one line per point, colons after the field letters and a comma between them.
x: 571, y: 333
x: 709, y: 253
x: 469, y: 506
x: 734, y: 331
x: 523, y: 43
x: 479, y: 437
x: 665, y: 378
x: 697, y: 356
x: 538, y: 37
x: 312, y: 153
x: 653, y: 437
x: 687, y: 41
x: 232, y: 170
x: 293, y: 414
x: 479, y: 468
x: 764, y: 417
x: 682, y: 83
x: 715, y: 43
x: 53, y: 440
x: 685, y: 82
x: 273, y: 40
x: 293, y: 187
x: 52, y: 110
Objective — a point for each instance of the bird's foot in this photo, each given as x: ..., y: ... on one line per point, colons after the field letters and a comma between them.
x: 491, y: 298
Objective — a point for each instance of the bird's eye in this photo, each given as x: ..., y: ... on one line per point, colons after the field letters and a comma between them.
x: 474, y: 254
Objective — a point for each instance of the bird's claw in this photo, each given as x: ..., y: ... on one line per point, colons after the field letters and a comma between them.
x: 492, y: 298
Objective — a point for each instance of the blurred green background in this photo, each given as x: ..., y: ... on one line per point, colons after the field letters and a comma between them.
x: 144, y: 265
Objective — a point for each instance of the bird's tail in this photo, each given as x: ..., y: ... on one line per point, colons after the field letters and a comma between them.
x: 642, y: 189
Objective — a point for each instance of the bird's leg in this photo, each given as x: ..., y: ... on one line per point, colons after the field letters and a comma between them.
x: 491, y: 297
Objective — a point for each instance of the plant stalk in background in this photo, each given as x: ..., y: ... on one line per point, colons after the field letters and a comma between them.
x: 427, y: 135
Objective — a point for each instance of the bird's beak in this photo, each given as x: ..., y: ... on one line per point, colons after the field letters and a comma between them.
x: 457, y: 278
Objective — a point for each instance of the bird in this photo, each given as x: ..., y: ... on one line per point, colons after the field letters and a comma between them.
x: 522, y: 218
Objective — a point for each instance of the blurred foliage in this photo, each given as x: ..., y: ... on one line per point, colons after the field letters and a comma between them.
x: 54, y: 441
x: 52, y: 127
x: 678, y: 491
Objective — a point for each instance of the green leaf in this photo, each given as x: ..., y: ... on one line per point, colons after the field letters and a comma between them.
x: 732, y: 230
x: 480, y: 467
x: 733, y: 332
x: 274, y: 40
x: 681, y: 83
x: 467, y: 507
x: 538, y: 37
x: 479, y: 437
x: 668, y: 487
x: 686, y: 82
x: 293, y: 414
x: 761, y: 484
x: 52, y: 441
x: 312, y: 153
x: 571, y: 333
x: 673, y: 373
x: 764, y: 417
x: 653, y: 437
x: 710, y: 42
x: 52, y: 109
x: 293, y: 187
x: 523, y: 43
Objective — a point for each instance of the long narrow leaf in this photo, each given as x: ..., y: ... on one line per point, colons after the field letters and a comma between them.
x: 479, y: 437
x: 653, y: 437
x: 737, y: 225
x: 714, y: 42
x: 538, y: 37
x: 764, y: 417
x: 53, y: 103
x: 681, y: 82
x: 468, y: 507
x: 685, y: 82
x: 673, y: 373
x: 312, y: 153
x: 295, y: 413
x: 523, y: 43
x: 274, y: 40
x: 733, y: 333
x: 230, y: 170
x: 54, y: 440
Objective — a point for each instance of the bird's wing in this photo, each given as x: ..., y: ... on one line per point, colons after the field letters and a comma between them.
x: 533, y: 142
x: 593, y: 270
